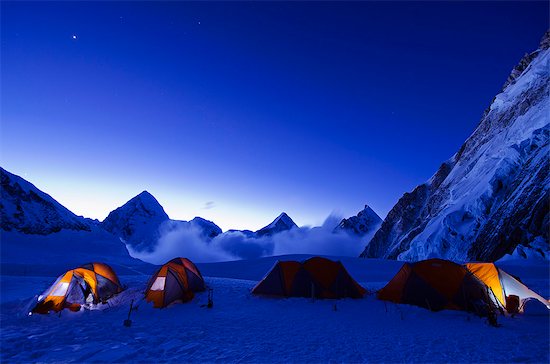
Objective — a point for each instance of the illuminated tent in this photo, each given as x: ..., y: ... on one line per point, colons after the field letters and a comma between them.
x: 507, y: 292
x: 438, y: 284
x: 175, y: 281
x: 315, y: 277
x: 89, y: 283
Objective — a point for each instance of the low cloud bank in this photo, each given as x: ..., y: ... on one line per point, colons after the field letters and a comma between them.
x: 188, y: 240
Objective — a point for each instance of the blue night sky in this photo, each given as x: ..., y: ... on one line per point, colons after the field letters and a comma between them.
x: 238, y: 111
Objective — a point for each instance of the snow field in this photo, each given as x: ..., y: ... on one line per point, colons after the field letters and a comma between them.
x: 246, y: 328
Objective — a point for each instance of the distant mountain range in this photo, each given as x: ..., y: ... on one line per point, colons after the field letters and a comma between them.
x: 142, y: 220
x: 29, y: 213
x: 492, y: 197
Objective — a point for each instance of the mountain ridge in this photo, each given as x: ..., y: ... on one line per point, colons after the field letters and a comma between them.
x: 492, y: 195
x: 27, y: 209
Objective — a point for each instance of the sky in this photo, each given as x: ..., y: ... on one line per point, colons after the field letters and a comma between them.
x: 237, y: 111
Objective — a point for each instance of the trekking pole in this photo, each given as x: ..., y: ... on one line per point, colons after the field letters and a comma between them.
x: 128, y: 322
x: 210, y: 298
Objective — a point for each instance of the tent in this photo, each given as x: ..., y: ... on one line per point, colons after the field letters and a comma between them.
x: 314, y: 277
x: 508, y: 293
x: 174, y: 281
x: 89, y: 283
x: 438, y: 284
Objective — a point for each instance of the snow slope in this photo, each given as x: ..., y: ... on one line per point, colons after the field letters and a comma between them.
x: 245, y: 328
x: 52, y: 254
x: 493, y: 194
x: 26, y: 209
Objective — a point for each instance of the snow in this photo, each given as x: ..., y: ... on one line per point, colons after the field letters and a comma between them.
x: 282, y: 222
x: 490, y: 156
x: 137, y: 222
x: 246, y: 328
x: 27, y: 209
x: 364, y: 224
x: 26, y: 254
x: 284, y: 218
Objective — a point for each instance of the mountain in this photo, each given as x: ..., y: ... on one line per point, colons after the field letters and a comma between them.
x: 365, y: 222
x: 141, y: 221
x: 26, y: 209
x: 41, y: 237
x: 210, y: 230
x: 493, y: 194
x: 137, y: 222
x: 282, y: 223
x: 247, y: 233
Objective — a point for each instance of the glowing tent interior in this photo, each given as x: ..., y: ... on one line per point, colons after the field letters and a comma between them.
x: 438, y: 284
x: 90, y: 283
x: 507, y: 291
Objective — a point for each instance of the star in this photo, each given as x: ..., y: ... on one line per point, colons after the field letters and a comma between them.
x: 74, y: 37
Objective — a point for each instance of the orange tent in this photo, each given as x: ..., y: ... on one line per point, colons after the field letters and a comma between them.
x: 504, y: 287
x: 438, y: 284
x: 315, y: 277
x: 174, y: 281
x: 89, y: 283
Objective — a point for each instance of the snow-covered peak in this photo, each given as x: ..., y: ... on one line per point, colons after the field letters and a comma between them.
x: 148, y: 204
x: 281, y: 223
x: 26, y: 209
x: 365, y: 222
x: 137, y: 221
x: 209, y: 228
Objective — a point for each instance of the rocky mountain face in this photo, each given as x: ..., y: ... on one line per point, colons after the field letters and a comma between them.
x: 365, y: 222
x: 26, y: 209
x: 282, y: 223
x: 493, y: 194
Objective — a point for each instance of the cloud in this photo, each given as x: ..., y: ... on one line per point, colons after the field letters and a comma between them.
x: 188, y: 240
x: 322, y: 240
x: 242, y: 246
x: 182, y: 240
x: 209, y: 205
